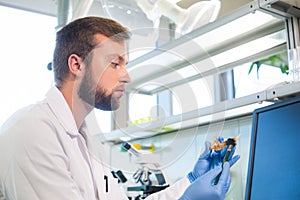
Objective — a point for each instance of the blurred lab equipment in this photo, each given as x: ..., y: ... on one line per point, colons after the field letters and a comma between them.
x: 148, y: 165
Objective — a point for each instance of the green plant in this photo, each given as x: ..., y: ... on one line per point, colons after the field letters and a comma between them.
x: 274, y: 61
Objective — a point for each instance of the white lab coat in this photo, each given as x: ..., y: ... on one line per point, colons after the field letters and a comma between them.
x: 44, y: 156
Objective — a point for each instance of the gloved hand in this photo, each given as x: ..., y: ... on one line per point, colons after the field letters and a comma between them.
x: 210, y: 159
x: 218, y: 156
x: 203, y: 187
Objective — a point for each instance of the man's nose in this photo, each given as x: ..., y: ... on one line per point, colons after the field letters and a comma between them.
x: 124, y: 76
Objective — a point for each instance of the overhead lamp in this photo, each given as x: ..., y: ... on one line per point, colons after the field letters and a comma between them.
x: 186, y: 20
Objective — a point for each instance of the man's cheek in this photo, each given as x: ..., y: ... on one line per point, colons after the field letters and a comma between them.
x: 110, y: 83
x: 105, y: 87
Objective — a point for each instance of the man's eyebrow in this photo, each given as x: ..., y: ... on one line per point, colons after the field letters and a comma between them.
x: 119, y: 57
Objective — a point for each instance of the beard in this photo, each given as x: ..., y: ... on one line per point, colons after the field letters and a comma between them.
x: 95, y: 97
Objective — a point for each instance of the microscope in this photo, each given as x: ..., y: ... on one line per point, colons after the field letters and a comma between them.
x: 150, y: 175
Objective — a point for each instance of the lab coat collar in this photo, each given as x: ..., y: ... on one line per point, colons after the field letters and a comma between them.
x: 61, y: 110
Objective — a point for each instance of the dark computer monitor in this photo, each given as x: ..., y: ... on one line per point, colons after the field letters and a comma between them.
x: 274, y: 164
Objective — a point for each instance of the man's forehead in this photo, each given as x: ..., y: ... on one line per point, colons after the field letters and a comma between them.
x: 111, y: 50
x: 110, y: 45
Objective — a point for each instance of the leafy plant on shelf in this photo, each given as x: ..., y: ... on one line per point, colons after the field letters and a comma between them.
x: 274, y: 61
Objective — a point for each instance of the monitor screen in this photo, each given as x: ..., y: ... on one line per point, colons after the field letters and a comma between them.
x: 274, y: 164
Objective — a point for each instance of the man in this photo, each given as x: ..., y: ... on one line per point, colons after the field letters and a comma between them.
x: 45, y: 148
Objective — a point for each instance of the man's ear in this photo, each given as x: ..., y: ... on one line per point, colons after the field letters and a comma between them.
x: 75, y: 63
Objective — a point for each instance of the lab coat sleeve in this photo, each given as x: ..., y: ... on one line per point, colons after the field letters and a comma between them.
x: 34, y: 165
x: 171, y: 193
x: 1, y: 195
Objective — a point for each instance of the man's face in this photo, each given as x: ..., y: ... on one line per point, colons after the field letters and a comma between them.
x: 105, y: 77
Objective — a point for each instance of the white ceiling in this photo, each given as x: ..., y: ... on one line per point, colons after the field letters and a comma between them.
x: 49, y: 7
x: 136, y: 20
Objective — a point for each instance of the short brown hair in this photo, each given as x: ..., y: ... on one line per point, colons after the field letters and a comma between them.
x: 78, y: 38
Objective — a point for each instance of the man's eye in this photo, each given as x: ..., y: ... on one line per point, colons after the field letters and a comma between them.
x: 115, y: 64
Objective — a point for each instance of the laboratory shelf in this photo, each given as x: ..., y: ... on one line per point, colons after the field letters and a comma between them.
x: 219, y: 111
x: 207, y: 43
x: 206, y: 51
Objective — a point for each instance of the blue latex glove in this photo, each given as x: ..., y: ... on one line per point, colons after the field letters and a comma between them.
x: 203, y: 187
x: 210, y: 159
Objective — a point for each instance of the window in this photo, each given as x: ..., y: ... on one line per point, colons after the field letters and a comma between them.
x: 27, y: 43
x: 142, y: 108
x: 266, y: 77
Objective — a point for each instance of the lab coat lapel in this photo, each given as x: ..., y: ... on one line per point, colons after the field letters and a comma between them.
x: 97, y: 168
x: 61, y: 110
x: 107, y: 185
